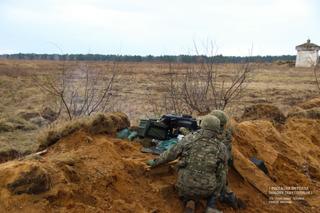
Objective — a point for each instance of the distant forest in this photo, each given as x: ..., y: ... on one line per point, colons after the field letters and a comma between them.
x: 150, y: 58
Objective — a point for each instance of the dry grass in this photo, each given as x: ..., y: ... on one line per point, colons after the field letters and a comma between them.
x: 282, y: 86
x: 15, y: 123
x: 310, y: 104
x: 313, y: 113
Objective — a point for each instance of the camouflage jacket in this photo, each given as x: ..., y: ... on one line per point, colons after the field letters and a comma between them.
x: 226, y: 138
x: 201, y: 166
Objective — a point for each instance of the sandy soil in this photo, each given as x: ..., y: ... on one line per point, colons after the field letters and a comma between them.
x: 98, y: 173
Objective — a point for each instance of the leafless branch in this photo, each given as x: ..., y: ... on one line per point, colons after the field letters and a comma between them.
x: 81, y: 90
x: 204, y: 86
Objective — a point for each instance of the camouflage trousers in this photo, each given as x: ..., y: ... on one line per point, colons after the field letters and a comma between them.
x: 195, y: 185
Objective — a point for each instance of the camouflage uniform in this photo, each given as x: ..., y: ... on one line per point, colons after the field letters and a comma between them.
x: 226, y: 138
x: 202, y: 162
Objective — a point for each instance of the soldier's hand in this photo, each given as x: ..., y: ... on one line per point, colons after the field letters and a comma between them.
x: 184, y: 131
x: 151, y: 163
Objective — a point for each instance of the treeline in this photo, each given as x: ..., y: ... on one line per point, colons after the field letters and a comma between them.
x: 149, y: 58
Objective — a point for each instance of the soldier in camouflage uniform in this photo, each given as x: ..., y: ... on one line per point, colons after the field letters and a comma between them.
x: 202, y: 163
x: 225, y: 136
x: 225, y: 133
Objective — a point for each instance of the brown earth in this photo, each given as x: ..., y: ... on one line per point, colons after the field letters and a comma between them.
x: 87, y: 174
x: 291, y: 155
x: 98, y: 173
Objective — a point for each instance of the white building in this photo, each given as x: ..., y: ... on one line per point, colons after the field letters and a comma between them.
x: 307, y: 54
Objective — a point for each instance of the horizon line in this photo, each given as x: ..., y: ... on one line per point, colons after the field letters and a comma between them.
x: 134, y: 55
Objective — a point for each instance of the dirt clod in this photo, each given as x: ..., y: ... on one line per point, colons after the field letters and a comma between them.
x: 9, y: 154
x: 34, y: 181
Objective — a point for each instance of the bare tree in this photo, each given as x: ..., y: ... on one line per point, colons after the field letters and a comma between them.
x: 79, y: 90
x: 171, y: 100
x: 205, y: 86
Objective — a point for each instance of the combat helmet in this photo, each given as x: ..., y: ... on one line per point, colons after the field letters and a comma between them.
x: 210, y: 122
x: 221, y: 116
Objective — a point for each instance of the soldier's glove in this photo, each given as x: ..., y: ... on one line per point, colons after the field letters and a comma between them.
x: 151, y: 163
x: 184, y: 131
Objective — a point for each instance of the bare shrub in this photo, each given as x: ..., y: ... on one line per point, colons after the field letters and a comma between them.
x: 171, y: 101
x: 203, y: 86
x: 79, y: 91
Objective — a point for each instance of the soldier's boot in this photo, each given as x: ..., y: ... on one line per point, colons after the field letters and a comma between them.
x: 211, y: 205
x: 231, y: 199
x: 190, y: 207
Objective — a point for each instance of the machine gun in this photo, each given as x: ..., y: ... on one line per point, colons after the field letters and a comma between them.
x: 174, y: 122
x: 166, y: 127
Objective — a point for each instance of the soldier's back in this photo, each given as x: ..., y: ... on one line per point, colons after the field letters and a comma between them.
x: 200, y: 159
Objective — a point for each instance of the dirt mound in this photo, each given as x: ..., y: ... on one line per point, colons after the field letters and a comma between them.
x: 9, y: 154
x: 27, y: 115
x: 291, y: 156
x: 310, y: 104
x: 34, y: 117
x: 86, y: 172
x: 263, y: 112
x: 99, y: 123
x: 29, y: 178
x: 313, y: 113
x: 285, y: 63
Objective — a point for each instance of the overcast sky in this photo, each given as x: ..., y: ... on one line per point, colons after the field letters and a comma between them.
x: 271, y: 27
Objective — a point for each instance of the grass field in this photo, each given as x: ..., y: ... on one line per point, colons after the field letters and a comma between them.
x: 135, y: 84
